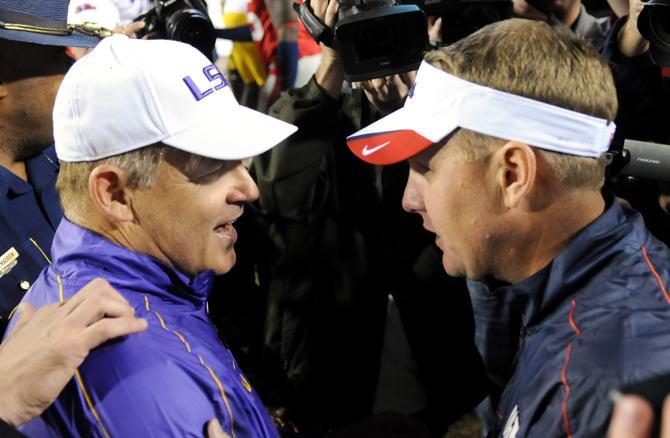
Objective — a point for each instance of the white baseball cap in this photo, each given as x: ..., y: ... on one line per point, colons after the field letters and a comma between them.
x: 127, y: 94
x: 439, y: 103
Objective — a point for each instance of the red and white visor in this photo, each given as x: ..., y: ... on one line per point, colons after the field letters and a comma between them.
x: 439, y: 102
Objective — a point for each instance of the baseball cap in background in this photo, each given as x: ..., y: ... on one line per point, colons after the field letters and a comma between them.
x: 127, y: 94
x: 101, y: 12
x: 43, y: 22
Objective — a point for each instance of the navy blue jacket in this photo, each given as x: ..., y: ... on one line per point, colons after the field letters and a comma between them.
x: 29, y: 215
x: 596, y: 317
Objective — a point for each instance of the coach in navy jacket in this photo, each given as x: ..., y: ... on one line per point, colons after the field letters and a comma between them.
x: 506, y: 168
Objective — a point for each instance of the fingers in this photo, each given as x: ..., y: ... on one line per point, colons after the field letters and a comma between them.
x: 100, y: 313
x: 214, y: 429
x: 399, y: 84
x: 109, y: 328
x: 319, y: 7
x: 408, y: 78
x: 131, y: 29
x: 665, y: 418
x: 331, y: 13
x: 632, y: 418
x: 26, y: 312
x: 94, y: 287
x: 96, y: 299
x: 434, y: 29
x: 96, y: 308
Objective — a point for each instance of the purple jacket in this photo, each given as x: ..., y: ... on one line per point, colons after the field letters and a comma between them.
x: 167, y: 381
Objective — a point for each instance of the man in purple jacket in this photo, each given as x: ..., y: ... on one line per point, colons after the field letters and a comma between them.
x: 150, y: 140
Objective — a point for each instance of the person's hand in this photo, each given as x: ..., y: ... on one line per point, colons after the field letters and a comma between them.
x: 330, y: 74
x: 130, y: 29
x: 631, y: 42
x: 619, y: 7
x: 281, y: 418
x: 387, y: 94
x: 41, y: 354
x: 435, y: 30
x: 326, y: 11
x: 633, y: 417
x: 214, y: 429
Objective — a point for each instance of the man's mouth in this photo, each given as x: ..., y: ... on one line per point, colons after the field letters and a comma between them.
x: 226, y: 230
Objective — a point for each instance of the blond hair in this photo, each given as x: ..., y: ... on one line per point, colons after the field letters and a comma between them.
x: 534, y: 60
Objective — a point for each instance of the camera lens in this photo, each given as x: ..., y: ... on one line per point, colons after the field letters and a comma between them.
x: 193, y: 27
x: 660, y: 25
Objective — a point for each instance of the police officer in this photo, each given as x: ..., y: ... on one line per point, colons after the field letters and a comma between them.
x: 33, y: 61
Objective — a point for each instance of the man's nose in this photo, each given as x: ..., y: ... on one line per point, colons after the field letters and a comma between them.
x: 412, y: 200
x: 247, y: 190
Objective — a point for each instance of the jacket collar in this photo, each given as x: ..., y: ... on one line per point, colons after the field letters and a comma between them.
x: 538, y: 295
x: 42, y: 170
x: 80, y: 255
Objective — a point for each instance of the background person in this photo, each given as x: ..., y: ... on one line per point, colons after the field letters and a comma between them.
x: 358, y: 302
x: 32, y: 65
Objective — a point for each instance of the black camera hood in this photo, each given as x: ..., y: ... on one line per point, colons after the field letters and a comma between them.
x: 373, y: 43
x: 650, y: 26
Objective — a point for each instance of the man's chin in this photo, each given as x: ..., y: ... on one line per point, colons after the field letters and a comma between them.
x: 225, y: 266
x: 451, y: 269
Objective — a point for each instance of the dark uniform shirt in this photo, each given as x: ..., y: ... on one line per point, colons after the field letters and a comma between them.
x: 29, y: 214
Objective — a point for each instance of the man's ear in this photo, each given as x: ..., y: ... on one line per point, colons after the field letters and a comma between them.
x: 516, y: 173
x: 109, y: 192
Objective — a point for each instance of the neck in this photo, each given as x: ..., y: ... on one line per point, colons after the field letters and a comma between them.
x: 125, y: 234
x: 9, y: 162
x: 548, y: 232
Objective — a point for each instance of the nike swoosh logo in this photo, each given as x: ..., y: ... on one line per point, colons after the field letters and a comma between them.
x: 367, y: 151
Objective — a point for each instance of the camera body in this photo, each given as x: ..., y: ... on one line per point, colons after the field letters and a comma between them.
x: 375, y: 38
x: 180, y: 20
x: 381, y: 41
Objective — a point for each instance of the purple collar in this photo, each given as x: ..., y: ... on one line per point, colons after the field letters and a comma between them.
x: 79, y: 255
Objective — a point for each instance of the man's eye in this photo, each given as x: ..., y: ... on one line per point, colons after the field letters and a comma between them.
x: 420, y: 166
x: 208, y: 176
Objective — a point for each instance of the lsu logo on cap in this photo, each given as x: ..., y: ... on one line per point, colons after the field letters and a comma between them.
x: 213, y: 75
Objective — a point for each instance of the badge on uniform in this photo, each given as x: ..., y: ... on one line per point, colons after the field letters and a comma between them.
x: 8, y: 260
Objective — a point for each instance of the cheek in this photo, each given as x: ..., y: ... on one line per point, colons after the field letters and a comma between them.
x: 441, y: 207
